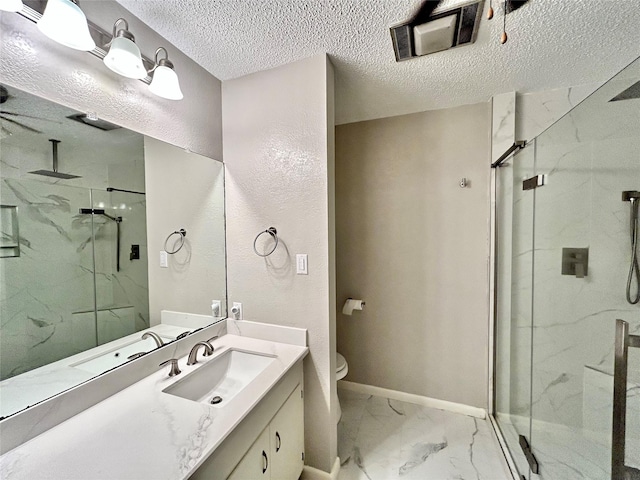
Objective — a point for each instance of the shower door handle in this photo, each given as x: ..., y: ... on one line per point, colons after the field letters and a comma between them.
x: 620, y: 471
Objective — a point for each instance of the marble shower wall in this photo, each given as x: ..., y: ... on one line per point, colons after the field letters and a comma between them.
x: 47, y: 293
x: 50, y: 280
x: 555, y: 333
x: 590, y: 156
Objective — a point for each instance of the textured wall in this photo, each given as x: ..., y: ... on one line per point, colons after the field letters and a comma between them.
x: 414, y: 246
x: 184, y: 190
x: 277, y: 135
x: 32, y: 62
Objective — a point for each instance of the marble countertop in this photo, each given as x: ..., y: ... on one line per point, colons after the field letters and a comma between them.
x: 143, y: 433
x: 36, y: 385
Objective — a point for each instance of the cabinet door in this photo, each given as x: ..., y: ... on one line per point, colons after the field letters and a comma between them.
x: 256, y: 464
x: 287, y: 439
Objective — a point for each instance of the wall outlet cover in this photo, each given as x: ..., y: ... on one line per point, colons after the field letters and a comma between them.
x: 236, y: 310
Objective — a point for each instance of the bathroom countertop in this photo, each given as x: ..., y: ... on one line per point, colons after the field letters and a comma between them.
x: 143, y: 433
x: 40, y: 383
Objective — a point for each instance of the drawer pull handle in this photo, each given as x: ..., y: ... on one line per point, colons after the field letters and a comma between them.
x: 265, y: 462
x: 279, y: 442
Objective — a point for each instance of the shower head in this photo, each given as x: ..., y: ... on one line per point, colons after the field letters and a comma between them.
x: 55, y: 173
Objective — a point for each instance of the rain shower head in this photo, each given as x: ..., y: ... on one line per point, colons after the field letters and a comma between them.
x: 55, y: 173
x: 50, y: 173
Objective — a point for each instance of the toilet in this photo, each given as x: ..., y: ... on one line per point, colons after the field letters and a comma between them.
x: 342, y: 368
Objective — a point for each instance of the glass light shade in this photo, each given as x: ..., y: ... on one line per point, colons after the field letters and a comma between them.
x: 64, y: 22
x: 124, y: 58
x: 11, y: 5
x: 165, y: 83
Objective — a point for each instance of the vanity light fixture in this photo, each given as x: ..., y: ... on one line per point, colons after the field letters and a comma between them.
x: 64, y: 22
x: 164, y: 81
x: 11, y: 5
x: 124, y: 56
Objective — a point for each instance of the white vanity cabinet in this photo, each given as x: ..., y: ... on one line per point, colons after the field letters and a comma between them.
x: 269, y: 443
x: 287, y: 438
x: 277, y: 454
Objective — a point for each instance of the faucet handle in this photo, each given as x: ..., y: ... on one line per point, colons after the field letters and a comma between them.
x: 174, y: 370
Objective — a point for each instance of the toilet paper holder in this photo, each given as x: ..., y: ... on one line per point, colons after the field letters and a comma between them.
x: 352, y: 304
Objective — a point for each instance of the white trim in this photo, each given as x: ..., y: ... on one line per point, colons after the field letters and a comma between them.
x: 412, y: 398
x: 513, y: 470
x: 310, y: 473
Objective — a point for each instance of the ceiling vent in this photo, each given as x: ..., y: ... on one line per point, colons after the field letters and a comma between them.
x: 93, y: 121
x: 446, y: 29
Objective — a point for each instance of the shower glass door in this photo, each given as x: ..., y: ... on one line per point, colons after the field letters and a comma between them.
x: 580, y: 268
x: 564, y: 253
x: 120, y: 245
x: 514, y: 237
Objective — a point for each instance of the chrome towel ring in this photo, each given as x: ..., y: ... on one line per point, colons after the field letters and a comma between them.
x: 274, y: 234
x: 183, y: 233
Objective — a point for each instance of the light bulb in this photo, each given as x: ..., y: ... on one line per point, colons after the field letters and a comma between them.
x: 64, y: 22
x: 11, y: 5
x: 124, y: 58
x: 165, y: 83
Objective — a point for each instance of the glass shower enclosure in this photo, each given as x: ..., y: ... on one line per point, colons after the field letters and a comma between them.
x: 566, y: 324
x: 68, y: 277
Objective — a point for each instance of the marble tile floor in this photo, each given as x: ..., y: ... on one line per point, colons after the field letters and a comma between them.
x: 383, y: 439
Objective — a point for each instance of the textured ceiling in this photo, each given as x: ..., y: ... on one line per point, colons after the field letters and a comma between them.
x: 552, y: 44
x: 93, y: 145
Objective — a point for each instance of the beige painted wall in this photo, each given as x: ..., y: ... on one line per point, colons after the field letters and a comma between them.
x: 415, y: 247
x: 278, y: 130
x: 184, y: 190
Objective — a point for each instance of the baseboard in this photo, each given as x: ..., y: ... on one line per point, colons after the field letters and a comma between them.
x: 310, y: 473
x: 412, y: 398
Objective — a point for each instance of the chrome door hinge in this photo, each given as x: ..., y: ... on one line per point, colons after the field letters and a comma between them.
x: 303, y: 456
x: 301, y: 393
x: 534, y: 182
x: 531, y: 459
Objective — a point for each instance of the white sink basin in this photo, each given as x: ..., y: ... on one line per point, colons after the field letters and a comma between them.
x: 222, y: 377
x: 118, y: 356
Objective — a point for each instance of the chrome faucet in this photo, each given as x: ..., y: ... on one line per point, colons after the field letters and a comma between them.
x: 208, y: 350
x: 153, y: 335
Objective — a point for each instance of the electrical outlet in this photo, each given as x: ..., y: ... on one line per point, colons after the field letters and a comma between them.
x: 215, y: 308
x: 236, y: 311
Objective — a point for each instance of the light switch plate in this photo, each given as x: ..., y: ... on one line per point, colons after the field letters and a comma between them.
x: 164, y: 259
x: 302, y: 265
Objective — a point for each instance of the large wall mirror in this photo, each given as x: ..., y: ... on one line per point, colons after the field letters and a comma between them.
x: 86, y: 209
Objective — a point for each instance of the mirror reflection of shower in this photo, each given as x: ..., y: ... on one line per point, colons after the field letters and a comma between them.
x: 118, y: 220
x: 634, y: 270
